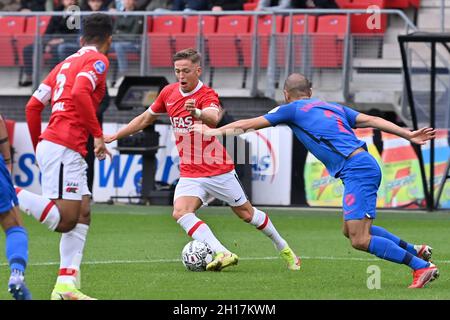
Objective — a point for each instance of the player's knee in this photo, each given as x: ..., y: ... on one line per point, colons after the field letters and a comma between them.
x: 246, y: 215
x: 359, y: 243
x: 178, y: 213
x: 67, y: 224
x: 85, y: 217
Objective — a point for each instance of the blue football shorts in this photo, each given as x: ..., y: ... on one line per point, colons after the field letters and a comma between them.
x: 361, y: 176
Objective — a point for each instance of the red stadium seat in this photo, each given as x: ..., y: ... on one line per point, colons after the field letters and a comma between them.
x: 27, y: 37
x: 363, y: 4
x: 222, y: 46
x: 250, y: 6
x: 397, y: 4
x: 10, y: 125
x: 414, y: 3
x: 9, y: 27
x: 167, y: 24
x: 264, y: 32
x: 160, y: 39
x: 12, y: 25
x: 31, y: 24
x: 327, y: 42
x: 342, y: 3
x: 188, y: 39
x: 298, y: 29
x: 8, y: 56
x: 209, y: 24
x: 359, y: 22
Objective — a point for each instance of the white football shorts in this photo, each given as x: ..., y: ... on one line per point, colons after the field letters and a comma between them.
x: 63, y: 172
x: 225, y: 187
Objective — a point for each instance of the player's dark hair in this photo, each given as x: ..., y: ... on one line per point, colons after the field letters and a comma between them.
x: 297, y: 84
x: 97, y: 28
x: 187, y: 54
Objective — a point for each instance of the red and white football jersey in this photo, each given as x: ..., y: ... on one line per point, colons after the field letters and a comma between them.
x: 70, y: 125
x: 199, y: 156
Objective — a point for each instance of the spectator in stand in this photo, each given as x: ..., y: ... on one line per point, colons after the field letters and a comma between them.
x: 159, y: 5
x: 10, y: 5
x: 94, y: 5
x: 68, y: 48
x: 34, y: 5
x: 56, y: 34
x: 321, y: 4
x: 223, y: 5
x: 127, y: 31
x: 191, y: 5
x: 295, y: 4
x: 117, y: 5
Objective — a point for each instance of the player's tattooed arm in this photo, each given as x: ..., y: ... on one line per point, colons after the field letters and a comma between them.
x: 234, y: 128
x: 420, y: 136
x: 137, y: 124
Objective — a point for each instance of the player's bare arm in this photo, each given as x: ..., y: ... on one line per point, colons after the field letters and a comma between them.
x: 420, y: 136
x: 234, y: 128
x: 5, y: 150
x: 137, y: 124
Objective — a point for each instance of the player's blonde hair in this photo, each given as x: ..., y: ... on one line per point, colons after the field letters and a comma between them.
x: 188, y: 54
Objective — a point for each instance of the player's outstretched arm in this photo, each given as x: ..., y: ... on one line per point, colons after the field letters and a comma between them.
x: 420, y: 136
x: 234, y: 128
x: 137, y: 124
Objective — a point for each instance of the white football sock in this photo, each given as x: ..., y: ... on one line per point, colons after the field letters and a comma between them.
x: 71, y: 249
x: 200, y: 231
x: 262, y: 222
x: 42, y: 209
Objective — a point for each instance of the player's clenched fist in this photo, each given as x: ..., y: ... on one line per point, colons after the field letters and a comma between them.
x: 190, y: 106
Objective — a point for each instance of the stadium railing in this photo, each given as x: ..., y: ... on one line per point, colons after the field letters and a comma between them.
x: 248, y: 50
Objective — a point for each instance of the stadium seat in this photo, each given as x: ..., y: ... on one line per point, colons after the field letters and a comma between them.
x: 209, y: 24
x: 160, y: 39
x: 12, y: 25
x: 298, y: 30
x: 359, y: 21
x: 167, y: 24
x: 27, y: 37
x: 9, y: 27
x: 10, y: 125
x: 414, y: 3
x: 342, y: 3
x: 250, y: 6
x: 327, y: 42
x: 188, y: 39
x: 397, y: 4
x: 264, y: 32
x: 31, y: 24
x: 223, y: 45
x: 8, y: 56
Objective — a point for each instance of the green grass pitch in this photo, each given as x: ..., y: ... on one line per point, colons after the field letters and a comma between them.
x: 133, y: 252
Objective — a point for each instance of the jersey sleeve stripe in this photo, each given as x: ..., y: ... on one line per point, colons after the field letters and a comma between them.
x: 211, y: 108
x: 153, y: 112
x: 87, y: 75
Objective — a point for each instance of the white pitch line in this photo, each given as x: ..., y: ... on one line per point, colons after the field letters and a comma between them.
x: 245, y: 259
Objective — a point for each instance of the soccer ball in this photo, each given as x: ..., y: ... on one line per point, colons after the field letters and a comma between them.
x: 196, y: 255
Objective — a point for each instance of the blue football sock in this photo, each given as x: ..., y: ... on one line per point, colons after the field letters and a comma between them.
x: 386, y: 249
x: 17, y: 248
x: 381, y: 232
